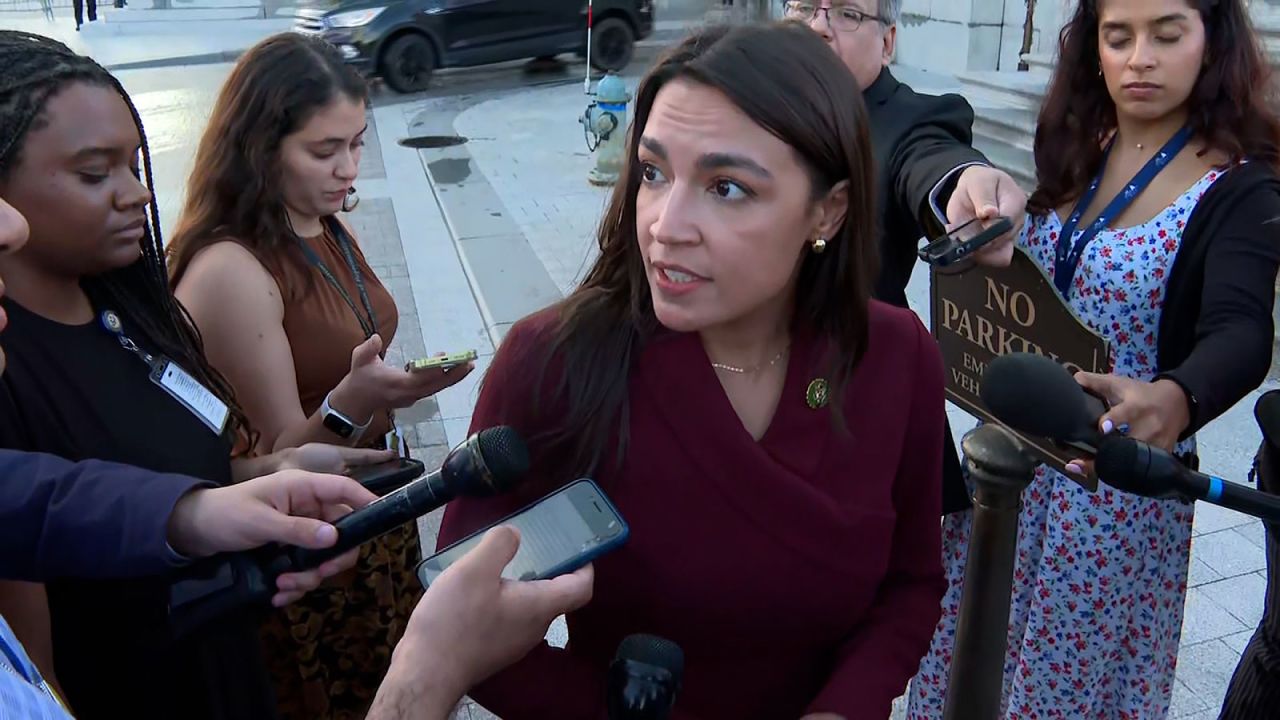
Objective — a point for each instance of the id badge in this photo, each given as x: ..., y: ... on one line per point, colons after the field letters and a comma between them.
x: 193, y: 395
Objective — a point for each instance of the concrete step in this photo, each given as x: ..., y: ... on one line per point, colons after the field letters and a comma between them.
x: 1003, y: 88
x: 1013, y: 126
x: 1016, y: 161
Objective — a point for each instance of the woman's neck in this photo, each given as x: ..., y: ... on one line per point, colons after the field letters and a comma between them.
x: 1148, y: 135
x: 304, y: 226
x: 749, y: 342
x: 50, y: 295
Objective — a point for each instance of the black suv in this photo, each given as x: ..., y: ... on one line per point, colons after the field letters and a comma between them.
x: 403, y: 41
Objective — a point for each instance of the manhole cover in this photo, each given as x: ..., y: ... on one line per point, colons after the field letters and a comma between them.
x: 423, y: 142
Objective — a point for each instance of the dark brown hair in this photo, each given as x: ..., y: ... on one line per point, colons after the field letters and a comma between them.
x: 234, y: 191
x: 33, y: 69
x: 788, y: 81
x: 1230, y: 104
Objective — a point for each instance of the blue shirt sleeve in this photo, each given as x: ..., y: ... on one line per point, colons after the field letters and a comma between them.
x: 24, y: 695
x: 89, y: 519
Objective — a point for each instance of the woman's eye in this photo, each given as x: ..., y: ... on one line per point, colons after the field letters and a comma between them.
x: 93, y: 178
x: 650, y: 173
x: 729, y: 190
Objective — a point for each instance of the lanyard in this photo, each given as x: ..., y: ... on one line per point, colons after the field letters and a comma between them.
x: 370, y: 325
x: 1067, y: 257
x: 111, y: 321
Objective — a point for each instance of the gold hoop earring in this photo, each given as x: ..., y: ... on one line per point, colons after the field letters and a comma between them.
x: 819, y: 245
x: 350, y: 202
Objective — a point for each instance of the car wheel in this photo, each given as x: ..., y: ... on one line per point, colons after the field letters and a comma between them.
x: 408, y: 63
x: 612, y: 44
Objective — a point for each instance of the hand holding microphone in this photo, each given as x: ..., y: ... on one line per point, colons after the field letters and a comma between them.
x: 485, y: 464
x: 1038, y: 396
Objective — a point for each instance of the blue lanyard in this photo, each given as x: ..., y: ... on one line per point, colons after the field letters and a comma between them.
x: 1067, y: 257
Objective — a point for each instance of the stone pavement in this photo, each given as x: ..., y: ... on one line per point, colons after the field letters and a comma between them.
x: 506, y: 224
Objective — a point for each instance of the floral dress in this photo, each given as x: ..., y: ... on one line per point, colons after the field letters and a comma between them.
x: 1100, y: 578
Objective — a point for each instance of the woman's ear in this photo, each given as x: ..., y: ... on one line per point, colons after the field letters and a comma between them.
x: 832, y: 209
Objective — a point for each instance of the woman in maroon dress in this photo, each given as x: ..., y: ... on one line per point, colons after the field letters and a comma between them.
x: 770, y: 434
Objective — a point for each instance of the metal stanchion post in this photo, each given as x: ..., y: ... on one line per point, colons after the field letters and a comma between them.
x: 1001, y: 469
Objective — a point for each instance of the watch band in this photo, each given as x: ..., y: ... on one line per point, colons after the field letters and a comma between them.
x: 338, y: 423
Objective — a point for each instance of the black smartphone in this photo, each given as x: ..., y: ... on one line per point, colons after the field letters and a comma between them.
x: 382, y: 478
x: 949, y: 250
x: 558, y: 534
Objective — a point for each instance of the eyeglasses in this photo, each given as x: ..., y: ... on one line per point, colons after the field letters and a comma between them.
x: 840, y: 17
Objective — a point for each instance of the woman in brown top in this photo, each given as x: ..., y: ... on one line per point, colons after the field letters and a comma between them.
x: 296, y: 320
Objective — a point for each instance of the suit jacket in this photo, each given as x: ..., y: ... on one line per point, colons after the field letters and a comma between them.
x: 917, y: 140
x: 90, y: 519
x: 799, y: 573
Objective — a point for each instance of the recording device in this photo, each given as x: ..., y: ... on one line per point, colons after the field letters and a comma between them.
x: 486, y: 464
x: 1136, y: 467
x: 644, y: 678
x: 1036, y: 395
x: 382, y: 478
x: 558, y: 534
x: 446, y: 362
x: 947, y: 251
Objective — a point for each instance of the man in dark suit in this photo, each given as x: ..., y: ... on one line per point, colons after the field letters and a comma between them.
x: 930, y: 177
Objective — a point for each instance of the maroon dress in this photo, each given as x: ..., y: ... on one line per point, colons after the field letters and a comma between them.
x: 799, y: 573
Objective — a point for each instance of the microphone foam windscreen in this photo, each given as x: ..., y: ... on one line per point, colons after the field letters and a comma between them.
x: 1267, y: 412
x: 505, y: 454
x: 652, y: 650
x: 1117, y: 464
x: 1036, y: 395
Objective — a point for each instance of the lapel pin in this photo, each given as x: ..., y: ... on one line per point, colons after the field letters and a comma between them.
x: 817, y: 394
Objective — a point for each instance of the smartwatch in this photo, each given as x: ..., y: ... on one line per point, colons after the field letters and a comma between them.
x: 339, y: 424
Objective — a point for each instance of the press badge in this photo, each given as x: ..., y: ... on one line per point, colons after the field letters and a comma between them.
x: 191, y: 393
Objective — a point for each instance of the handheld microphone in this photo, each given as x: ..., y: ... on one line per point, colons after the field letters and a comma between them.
x: 1136, y: 467
x: 1036, y: 395
x: 644, y: 678
x: 485, y: 464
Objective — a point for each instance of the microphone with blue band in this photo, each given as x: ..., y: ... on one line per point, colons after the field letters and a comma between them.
x: 1136, y: 467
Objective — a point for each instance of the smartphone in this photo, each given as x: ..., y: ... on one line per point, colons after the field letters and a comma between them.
x: 442, y: 361
x: 956, y: 245
x: 558, y: 534
x: 382, y: 478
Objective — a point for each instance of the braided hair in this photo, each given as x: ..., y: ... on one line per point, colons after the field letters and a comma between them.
x: 33, y: 69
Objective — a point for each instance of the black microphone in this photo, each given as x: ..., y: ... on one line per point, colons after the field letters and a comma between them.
x: 488, y: 463
x: 644, y: 678
x: 1036, y: 395
x: 485, y: 464
x: 1136, y: 467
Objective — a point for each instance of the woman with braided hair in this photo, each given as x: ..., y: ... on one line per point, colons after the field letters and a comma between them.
x: 104, y: 363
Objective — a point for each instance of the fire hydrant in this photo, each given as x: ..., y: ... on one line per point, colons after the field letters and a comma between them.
x: 605, y: 125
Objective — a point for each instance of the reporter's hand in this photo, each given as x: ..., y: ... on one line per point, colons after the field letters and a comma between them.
x: 373, y: 386
x: 987, y: 193
x: 334, y: 459
x: 1152, y: 412
x: 282, y: 507
x: 471, y: 622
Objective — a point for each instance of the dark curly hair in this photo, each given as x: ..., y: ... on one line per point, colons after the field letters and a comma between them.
x: 33, y: 69
x: 1230, y: 104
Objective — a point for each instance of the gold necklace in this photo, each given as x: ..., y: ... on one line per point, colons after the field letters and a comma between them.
x: 754, y: 368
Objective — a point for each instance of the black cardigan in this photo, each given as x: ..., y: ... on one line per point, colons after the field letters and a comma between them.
x: 1224, y: 277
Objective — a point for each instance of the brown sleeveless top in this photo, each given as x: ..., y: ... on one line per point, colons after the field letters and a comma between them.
x: 323, y: 329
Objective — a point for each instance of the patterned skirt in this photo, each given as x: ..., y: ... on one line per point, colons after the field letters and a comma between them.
x: 329, y: 652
